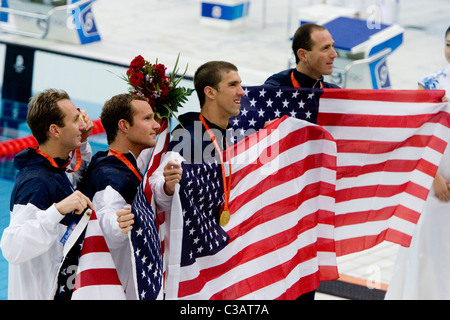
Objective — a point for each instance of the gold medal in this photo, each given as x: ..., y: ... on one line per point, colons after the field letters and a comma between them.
x: 225, y: 215
x: 224, y: 218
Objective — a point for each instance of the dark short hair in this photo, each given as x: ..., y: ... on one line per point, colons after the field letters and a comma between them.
x: 302, y: 38
x: 210, y: 75
x: 117, y: 108
x: 43, y: 111
x: 447, y: 32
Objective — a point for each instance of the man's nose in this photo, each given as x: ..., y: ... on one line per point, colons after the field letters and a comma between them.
x: 334, y: 54
x: 241, y: 91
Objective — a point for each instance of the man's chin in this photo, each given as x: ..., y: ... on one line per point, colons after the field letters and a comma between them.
x: 152, y: 144
x: 329, y: 71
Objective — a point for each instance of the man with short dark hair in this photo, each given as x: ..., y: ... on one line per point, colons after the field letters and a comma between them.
x: 201, y: 136
x: 44, y: 206
x: 313, y: 47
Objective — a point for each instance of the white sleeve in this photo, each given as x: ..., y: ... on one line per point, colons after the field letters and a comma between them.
x: 86, y: 156
x: 143, y: 159
x: 30, y: 233
x: 156, y: 180
x: 106, y: 203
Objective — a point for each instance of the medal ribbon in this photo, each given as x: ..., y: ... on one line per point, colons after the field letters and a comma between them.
x: 296, y: 84
x: 127, y: 162
x: 226, y: 184
x: 294, y: 81
x: 54, y: 164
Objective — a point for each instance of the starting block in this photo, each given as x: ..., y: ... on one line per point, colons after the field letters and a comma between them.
x: 64, y: 20
x: 224, y: 13
x: 363, y: 46
x: 363, y: 50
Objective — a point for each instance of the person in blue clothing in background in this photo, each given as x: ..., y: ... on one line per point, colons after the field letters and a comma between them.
x: 313, y: 47
x: 440, y: 80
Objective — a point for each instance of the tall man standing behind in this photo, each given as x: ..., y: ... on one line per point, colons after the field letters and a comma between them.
x: 43, y: 201
x: 113, y: 176
x: 313, y: 47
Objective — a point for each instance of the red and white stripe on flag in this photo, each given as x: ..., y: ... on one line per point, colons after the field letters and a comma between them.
x: 281, y: 227
x: 158, y: 151
x: 162, y: 143
x: 96, y: 276
x: 389, y: 146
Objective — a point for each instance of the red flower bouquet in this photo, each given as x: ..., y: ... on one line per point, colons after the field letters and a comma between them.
x: 162, y: 91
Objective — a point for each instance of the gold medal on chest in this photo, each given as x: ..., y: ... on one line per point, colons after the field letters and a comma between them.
x: 224, y: 218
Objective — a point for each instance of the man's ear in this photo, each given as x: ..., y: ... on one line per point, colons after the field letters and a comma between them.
x: 53, y: 130
x: 301, y: 54
x: 123, y: 125
x: 209, y: 92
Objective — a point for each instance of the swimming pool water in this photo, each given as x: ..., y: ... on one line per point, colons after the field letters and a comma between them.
x: 6, y: 186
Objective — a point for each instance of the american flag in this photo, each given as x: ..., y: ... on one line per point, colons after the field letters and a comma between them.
x: 389, y: 146
x: 72, y: 242
x: 152, y: 156
x: 96, y: 276
x: 202, y: 198
x: 146, y: 249
x: 200, y: 236
x: 279, y: 241
x: 147, y: 235
x: 261, y: 104
x: 284, y: 220
x: 88, y: 270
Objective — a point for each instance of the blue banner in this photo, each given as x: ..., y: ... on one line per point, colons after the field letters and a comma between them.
x: 85, y: 23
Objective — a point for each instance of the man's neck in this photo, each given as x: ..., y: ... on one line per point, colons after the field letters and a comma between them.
x: 55, y: 151
x: 125, y: 148
x: 307, y: 72
x: 215, y: 118
x: 306, y: 81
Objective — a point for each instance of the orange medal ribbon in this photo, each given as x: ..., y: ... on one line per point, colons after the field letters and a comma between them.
x: 127, y: 162
x: 294, y: 81
x: 225, y: 214
x: 296, y: 84
x: 54, y: 164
